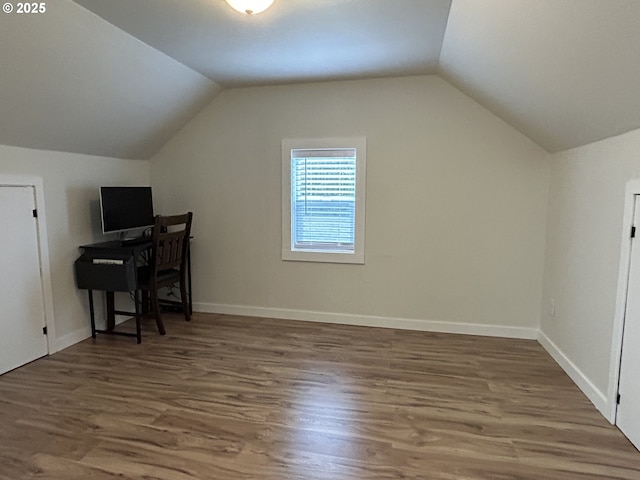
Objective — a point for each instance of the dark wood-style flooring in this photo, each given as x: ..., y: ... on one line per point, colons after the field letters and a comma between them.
x: 245, y: 398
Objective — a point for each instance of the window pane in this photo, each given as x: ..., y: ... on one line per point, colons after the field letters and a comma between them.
x: 323, y: 197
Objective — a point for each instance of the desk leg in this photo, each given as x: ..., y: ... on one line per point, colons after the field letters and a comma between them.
x: 111, y: 315
x: 189, y: 280
x: 139, y: 309
x: 92, y: 315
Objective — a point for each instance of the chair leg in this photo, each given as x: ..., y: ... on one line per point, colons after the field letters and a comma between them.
x: 156, y: 311
x: 145, y: 302
x: 136, y: 298
x: 185, y: 300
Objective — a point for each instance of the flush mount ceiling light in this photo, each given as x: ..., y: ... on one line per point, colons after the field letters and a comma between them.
x: 250, y: 7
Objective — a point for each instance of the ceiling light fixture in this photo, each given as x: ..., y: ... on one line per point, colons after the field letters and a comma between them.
x: 250, y: 7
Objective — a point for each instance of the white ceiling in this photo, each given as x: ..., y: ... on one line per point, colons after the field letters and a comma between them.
x: 122, y: 77
x: 293, y: 41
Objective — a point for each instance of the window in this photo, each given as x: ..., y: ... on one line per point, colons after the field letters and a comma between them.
x: 323, y: 199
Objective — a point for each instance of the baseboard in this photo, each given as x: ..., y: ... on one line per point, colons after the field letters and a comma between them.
x: 70, y: 339
x: 596, y: 397
x: 370, y: 321
x: 79, y: 335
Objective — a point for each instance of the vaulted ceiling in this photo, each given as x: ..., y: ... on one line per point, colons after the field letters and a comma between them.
x: 120, y: 77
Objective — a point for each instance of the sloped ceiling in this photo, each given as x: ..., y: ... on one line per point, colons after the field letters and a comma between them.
x: 564, y: 72
x: 120, y: 77
x: 69, y: 81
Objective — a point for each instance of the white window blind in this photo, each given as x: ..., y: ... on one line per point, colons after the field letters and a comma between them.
x: 323, y: 200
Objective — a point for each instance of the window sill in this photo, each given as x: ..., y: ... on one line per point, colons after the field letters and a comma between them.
x: 323, y: 257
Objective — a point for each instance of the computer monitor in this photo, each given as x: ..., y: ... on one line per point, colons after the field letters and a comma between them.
x: 125, y: 208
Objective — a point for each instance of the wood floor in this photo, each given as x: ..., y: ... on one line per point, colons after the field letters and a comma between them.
x: 244, y: 398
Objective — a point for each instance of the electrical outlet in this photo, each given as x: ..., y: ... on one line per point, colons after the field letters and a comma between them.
x: 552, y: 307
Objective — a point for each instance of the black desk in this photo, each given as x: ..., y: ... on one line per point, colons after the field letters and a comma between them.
x: 112, y: 267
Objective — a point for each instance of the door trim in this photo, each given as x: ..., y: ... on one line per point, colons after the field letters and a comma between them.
x: 632, y: 189
x: 43, y: 247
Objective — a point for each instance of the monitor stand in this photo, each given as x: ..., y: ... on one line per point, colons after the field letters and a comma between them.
x: 127, y: 237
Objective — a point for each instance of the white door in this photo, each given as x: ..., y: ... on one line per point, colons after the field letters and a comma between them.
x: 21, y: 300
x: 628, y: 414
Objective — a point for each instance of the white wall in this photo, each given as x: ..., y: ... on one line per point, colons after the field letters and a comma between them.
x: 71, y: 184
x: 456, y: 206
x: 586, y: 204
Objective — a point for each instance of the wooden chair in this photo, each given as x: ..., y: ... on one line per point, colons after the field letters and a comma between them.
x: 167, y: 266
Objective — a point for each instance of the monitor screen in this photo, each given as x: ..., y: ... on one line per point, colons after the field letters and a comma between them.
x: 125, y: 208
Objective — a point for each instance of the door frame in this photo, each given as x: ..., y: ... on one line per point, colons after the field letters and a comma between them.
x: 631, y: 190
x: 43, y: 247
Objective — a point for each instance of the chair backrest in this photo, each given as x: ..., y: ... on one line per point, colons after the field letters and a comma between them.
x: 170, y: 240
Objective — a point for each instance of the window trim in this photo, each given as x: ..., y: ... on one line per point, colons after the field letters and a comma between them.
x: 360, y: 144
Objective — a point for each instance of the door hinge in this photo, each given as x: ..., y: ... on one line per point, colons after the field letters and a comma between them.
x: 35, y: 213
x: 618, y: 399
x: 44, y: 330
